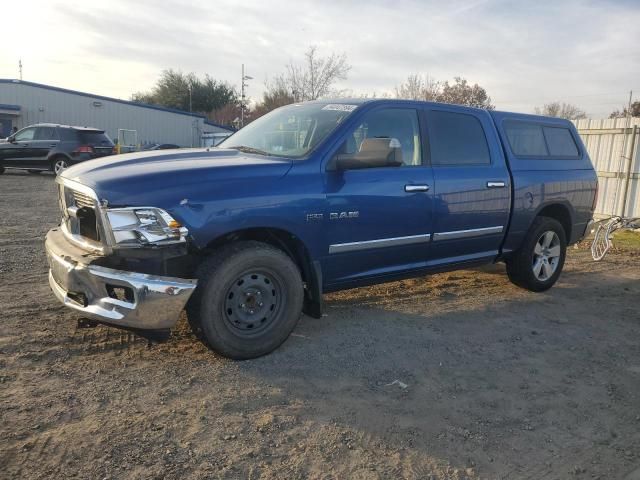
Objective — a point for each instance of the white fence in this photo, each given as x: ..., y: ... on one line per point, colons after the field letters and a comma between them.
x: 613, y: 147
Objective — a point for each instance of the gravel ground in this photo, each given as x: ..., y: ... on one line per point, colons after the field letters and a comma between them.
x: 453, y: 376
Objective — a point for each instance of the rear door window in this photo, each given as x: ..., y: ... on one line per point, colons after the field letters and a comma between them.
x: 526, y: 139
x: 45, y: 133
x: 560, y: 142
x: 456, y: 139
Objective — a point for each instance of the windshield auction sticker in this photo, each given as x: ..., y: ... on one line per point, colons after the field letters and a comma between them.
x: 341, y: 107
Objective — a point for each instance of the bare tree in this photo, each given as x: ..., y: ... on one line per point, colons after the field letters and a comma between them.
x: 316, y: 76
x: 561, y: 110
x: 418, y: 87
x: 460, y: 92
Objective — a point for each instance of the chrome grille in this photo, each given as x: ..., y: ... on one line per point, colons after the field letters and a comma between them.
x: 81, y: 200
x: 80, y: 216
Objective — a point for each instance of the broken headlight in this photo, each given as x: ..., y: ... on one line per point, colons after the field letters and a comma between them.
x: 134, y: 227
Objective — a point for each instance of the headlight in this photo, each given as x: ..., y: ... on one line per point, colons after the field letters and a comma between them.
x: 133, y: 227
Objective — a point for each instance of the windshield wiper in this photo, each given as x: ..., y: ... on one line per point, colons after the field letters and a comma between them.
x: 246, y: 149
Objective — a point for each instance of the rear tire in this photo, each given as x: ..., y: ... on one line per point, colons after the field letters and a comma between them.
x: 58, y: 165
x: 248, y: 300
x: 537, y: 265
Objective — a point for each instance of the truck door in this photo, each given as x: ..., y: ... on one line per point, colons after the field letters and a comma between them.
x: 379, y: 220
x: 472, y: 194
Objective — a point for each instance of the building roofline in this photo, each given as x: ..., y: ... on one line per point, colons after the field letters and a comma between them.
x: 214, y: 124
x: 111, y: 99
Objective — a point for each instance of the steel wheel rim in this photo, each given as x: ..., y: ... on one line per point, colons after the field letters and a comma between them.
x: 546, y: 256
x: 59, y: 166
x: 252, y: 302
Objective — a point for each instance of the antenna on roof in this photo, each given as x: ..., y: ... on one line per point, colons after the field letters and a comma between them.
x: 20, y: 68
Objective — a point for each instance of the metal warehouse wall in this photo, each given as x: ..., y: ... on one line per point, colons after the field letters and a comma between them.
x: 39, y: 104
x: 613, y: 147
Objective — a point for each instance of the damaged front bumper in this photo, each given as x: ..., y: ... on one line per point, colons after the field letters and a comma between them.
x: 121, y: 298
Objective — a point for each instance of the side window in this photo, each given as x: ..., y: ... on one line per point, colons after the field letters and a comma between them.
x: 67, y: 135
x: 526, y: 139
x: 457, y: 139
x: 45, y: 133
x: 25, y: 135
x: 400, y: 124
x: 560, y: 142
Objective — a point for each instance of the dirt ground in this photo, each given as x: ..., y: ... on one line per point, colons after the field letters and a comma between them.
x: 458, y: 375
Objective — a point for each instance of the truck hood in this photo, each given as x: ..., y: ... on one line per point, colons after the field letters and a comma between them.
x: 140, y: 178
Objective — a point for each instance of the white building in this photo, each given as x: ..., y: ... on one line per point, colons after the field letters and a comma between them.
x: 25, y: 103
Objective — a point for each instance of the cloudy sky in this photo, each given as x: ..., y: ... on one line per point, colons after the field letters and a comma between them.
x: 525, y: 53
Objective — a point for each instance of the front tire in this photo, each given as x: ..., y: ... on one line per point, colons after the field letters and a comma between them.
x: 537, y: 265
x: 248, y: 300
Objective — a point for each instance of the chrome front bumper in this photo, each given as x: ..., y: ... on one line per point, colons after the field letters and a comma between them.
x: 151, y: 302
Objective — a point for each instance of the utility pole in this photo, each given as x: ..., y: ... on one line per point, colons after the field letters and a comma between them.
x: 20, y: 68
x: 242, y: 104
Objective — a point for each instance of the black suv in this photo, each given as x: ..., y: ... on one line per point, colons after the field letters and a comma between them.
x: 50, y: 147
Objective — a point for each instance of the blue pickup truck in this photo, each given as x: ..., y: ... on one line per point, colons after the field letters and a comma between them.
x: 312, y: 198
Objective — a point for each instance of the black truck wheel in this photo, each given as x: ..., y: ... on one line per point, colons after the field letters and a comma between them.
x: 248, y: 300
x: 538, y: 263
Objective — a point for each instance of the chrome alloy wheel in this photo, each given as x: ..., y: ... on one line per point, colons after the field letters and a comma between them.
x: 546, y: 256
x: 59, y: 166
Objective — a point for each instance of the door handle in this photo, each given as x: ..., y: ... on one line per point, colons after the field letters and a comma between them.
x: 53, y: 145
x: 495, y: 184
x: 416, y: 188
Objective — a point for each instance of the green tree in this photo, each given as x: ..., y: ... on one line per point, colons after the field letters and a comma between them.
x: 187, y: 92
x: 635, y: 111
x: 276, y: 95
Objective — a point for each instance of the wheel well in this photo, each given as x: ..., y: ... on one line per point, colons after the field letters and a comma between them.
x: 560, y: 213
x: 294, y: 248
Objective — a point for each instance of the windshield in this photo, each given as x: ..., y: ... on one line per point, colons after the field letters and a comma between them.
x: 291, y: 131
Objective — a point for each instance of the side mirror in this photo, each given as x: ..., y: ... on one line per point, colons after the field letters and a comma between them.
x: 373, y: 153
x: 11, y: 139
